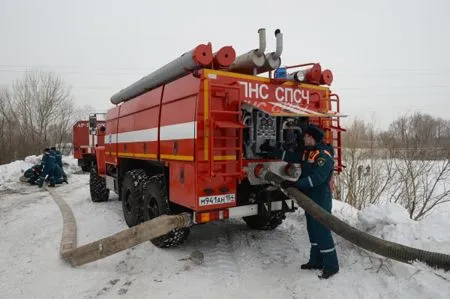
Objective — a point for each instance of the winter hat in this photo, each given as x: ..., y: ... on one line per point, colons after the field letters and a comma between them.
x: 315, y: 132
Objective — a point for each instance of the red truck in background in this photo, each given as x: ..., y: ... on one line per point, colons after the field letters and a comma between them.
x: 85, y: 140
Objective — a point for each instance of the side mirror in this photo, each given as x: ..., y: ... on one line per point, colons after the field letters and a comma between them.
x: 92, y: 124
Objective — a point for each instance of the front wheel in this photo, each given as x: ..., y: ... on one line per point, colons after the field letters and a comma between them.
x: 97, y: 187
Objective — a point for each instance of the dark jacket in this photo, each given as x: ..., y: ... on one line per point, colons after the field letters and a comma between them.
x: 58, y: 157
x: 317, y: 165
x: 48, y: 163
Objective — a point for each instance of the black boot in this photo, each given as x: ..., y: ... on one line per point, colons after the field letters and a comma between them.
x: 327, y: 273
x: 309, y: 266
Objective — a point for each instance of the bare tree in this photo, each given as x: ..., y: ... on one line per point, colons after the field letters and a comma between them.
x: 37, y: 111
x: 367, y: 176
x: 420, y: 185
x: 421, y: 164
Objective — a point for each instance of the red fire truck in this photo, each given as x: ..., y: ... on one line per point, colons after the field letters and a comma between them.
x: 187, y: 137
x: 86, y: 135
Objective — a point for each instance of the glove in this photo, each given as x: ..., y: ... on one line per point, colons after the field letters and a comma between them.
x: 286, y: 184
x: 266, y: 147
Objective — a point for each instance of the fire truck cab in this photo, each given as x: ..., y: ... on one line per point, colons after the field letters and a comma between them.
x: 86, y: 135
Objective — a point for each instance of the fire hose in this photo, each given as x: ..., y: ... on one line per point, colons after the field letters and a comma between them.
x: 364, y: 240
x: 162, y: 225
x: 110, y: 245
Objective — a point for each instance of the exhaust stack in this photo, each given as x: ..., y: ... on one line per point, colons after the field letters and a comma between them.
x: 273, y: 59
x: 249, y: 62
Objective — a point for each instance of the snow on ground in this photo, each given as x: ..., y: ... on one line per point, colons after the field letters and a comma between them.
x: 10, y: 173
x: 239, y: 262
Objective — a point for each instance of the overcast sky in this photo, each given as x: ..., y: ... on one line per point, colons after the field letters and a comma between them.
x: 388, y: 57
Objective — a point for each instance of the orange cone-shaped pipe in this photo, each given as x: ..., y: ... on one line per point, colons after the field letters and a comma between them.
x: 326, y: 78
x: 202, y: 54
x: 313, y: 74
x: 224, y: 57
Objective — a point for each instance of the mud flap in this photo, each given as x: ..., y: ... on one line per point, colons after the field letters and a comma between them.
x: 265, y: 206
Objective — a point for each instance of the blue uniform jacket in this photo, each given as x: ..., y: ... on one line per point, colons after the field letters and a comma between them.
x: 58, y: 157
x: 48, y: 161
x: 317, y: 169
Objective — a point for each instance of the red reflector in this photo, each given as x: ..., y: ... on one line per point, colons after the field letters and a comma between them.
x: 209, y: 216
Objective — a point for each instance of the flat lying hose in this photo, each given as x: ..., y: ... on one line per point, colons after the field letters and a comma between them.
x: 69, y: 233
x: 382, y: 247
x: 125, y: 239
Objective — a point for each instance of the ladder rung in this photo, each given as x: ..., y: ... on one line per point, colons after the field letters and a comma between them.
x: 227, y: 137
x: 228, y: 174
x: 337, y: 128
x: 225, y: 112
x: 225, y: 162
x: 228, y: 124
x: 226, y: 148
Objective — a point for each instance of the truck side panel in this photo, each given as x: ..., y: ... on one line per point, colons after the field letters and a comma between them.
x: 183, y: 178
x: 80, y: 137
x: 138, y: 126
x: 177, y: 138
x: 125, y: 135
x: 177, y: 131
x: 111, y: 136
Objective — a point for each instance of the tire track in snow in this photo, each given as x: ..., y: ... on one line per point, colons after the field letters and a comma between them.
x: 222, y: 258
x: 220, y: 266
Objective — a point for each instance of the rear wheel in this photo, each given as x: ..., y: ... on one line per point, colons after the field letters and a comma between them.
x: 157, y: 204
x: 265, y: 222
x: 249, y: 194
x: 97, y: 186
x: 131, y: 196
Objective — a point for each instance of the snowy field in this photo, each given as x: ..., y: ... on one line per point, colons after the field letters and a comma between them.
x: 239, y: 262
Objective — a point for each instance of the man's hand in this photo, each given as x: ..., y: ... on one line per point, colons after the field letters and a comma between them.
x: 286, y: 184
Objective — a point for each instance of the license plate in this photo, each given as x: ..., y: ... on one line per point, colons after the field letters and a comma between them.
x: 216, y: 199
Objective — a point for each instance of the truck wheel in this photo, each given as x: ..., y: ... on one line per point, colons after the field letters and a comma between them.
x: 265, y: 223
x: 157, y: 204
x: 131, y: 196
x: 97, y: 186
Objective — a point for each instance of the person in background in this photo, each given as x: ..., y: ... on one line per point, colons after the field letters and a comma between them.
x: 48, y: 164
x: 59, y: 170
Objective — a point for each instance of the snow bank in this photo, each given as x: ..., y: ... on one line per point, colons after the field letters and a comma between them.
x: 391, y: 222
x: 345, y: 212
x: 10, y: 173
x: 384, y: 214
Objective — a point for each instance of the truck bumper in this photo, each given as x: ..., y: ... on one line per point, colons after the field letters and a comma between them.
x: 243, y: 211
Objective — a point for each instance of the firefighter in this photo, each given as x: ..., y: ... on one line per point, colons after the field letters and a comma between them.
x: 48, y: 163
x: 32, y: 174
x: 317, y: 169
x: 59, y: 170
